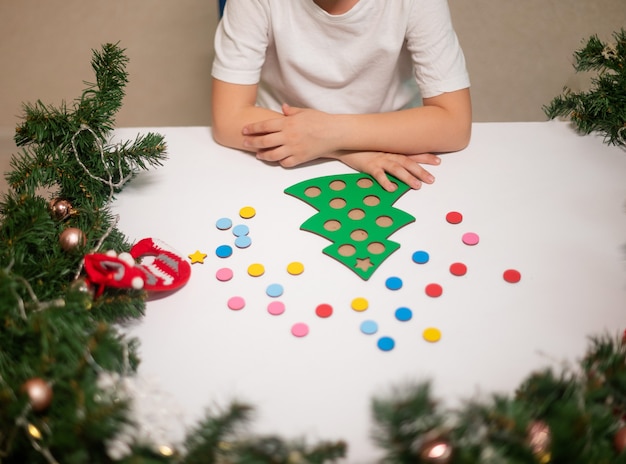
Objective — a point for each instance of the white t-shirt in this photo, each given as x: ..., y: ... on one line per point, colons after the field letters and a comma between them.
x: 367, y: 60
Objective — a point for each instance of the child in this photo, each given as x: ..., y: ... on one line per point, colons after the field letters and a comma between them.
x: 298, y: 80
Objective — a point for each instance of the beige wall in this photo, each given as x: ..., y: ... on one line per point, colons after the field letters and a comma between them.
x: 45, y: 51
x: 519, y: 53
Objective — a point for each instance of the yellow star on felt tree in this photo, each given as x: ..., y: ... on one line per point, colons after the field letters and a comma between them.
x: 197, y: 257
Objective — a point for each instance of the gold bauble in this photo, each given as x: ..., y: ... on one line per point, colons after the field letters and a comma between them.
x: 619, y: 440
x: 39, y: 393
x: 540, y: 440
x: 436, y: 451
x: 72, y: 238
x: 60, y: 208
x: 83, y: 287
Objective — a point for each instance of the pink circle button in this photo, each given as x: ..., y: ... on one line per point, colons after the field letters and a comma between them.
x: 236, y: 303
x: 470, y: 238
x: 300, y: 329
x: 276, y: 308
x: 224, y: 274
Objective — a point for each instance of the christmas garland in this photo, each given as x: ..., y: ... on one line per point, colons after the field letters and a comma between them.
x: 68, y: 375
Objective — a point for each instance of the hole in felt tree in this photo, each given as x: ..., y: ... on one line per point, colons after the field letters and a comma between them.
x: 364, y: 182
x: 313, y: 192
x: 359, y: 235
x: 371, y: 200
x: 384, y: 221
x: 337, y: 185
x: 337, y: 203
x: 332, y: 225
x: 347, y: 250
x: 376, y: 248
x: 356, y: 214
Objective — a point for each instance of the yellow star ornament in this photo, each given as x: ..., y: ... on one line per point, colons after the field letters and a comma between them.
x: 197, y: 257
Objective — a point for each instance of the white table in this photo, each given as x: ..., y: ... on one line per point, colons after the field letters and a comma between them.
x: 544, y: 200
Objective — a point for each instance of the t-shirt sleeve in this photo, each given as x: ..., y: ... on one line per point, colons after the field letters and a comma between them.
x: 438, y: 60
x: 241, y: 41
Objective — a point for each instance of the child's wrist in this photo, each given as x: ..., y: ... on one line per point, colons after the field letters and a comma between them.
x: 339, y: 130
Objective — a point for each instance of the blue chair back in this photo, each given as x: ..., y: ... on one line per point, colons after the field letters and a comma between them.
x: 221, y: 5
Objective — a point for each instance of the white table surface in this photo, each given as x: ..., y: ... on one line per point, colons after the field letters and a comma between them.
x: 544, y: 200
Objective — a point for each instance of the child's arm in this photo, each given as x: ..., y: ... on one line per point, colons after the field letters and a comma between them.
x: 443, y: 124
x: 233, y: 106
x: 234, y: 112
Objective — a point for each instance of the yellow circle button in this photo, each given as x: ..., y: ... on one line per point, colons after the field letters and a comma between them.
x: 432, y: 334
x: 295, y: 268
x: 256, y: 270
x: 360, y: 304
x: 247, y: 212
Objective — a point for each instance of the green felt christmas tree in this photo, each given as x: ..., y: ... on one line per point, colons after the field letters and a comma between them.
x: 357, y: 215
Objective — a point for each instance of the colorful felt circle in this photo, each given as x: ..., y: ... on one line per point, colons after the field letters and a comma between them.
x: 256, y: 270
x: 420, y: 257
x: 454, y: 217
x: 224, y: 274
x: 223, y: 223
x: 404, y: 314
x: 240, y: 230
x: 458, y: 269
x: 432, y: 334
x: 470, y: 238
x: 295, y: 268
x: 360, y: 304
x: 393, y: 283
x: 369, y: 327
x: 243, y: 242
x: 386, y: 343
x: 274, y: 290
x: 236, y: 303
x: 512, y: 276
x: 434, y: 290
x: 276, y: 308
x: 224, y: 251
x: 300, y: 329
x: 324, y: 310
x: 247, y: 212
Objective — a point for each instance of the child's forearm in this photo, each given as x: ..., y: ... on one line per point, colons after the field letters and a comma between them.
x: 233, y: 107
x: 443, y: 124
x: 227, y: 127
x: 431, y: 128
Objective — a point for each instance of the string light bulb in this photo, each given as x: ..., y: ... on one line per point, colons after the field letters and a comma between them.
x: 166, y: 450
x: 34, y: 431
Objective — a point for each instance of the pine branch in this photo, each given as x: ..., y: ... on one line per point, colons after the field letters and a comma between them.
x: 603, y: 108
x: 275, y: 450
x: 69, y: 148
x: 572, y: 417
x: 404, y: 420
x: 52, y: 327
x: 212, y: 437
